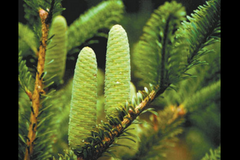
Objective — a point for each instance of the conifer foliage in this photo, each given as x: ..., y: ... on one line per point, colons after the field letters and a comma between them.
x: 175, y: 64
x: 156, y: 44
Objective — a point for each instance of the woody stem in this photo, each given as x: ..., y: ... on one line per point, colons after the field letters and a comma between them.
x: 38, y: 88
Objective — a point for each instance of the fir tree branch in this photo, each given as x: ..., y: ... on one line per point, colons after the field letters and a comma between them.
x: 24, y: 77
x: 31, y: 8
x: 202, y: 29
x: 27, y: 38
x: 161, y: 134
x: 156, y: 43
x: 104, y: 136
x: 203, y: 96
x: 38, y: 89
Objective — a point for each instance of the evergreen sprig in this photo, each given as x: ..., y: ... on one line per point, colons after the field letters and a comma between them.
x: 159, y: 134
x: 36, y: 97
x: 186, y: 46
x: 155, y: 45
x: 26, y: 38
x: 207, y: 94
x: 24, y: 111
x: 24, y: 77
x: 199, y: 77
x: 44, y: 137
x: 202, y: 29
x: 32, y: 7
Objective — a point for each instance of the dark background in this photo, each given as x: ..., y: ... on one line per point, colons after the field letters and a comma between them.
x: 75, y: 7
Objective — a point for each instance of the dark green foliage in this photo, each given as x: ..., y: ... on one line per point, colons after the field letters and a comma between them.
x: 26, y: 39
x: 201, y: 30
x: 44, y: 137
x: 200, y: 76
x: 24, y: 76
x: 31, y: 8
x: 207, y: 94
x: 48, y: 5
x: 185, y: 46
x: 23, y: 122
x: 155, y: 45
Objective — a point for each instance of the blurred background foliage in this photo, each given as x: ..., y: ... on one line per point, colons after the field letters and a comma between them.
x: 201, y: 127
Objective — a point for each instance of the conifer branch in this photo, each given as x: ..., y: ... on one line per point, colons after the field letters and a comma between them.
x: 26, y: 38
x: 38, y: 89
x: 105, y: 135
x: 202, y: 30
x: 156, y: 43
x: 160, y: 132
x: 24, y: 77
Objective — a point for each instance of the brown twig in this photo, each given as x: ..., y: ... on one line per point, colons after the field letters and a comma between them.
x: 38, y: 89
x: 125, y: 123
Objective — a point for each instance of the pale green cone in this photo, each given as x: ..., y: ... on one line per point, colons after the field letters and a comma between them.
x: 117, y: 76
x: 84, y: 99
x: 56, y: 50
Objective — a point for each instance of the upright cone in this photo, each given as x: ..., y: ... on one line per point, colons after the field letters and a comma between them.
x: 84, y: 99
x: 117, y: 76
x: 57, y: 50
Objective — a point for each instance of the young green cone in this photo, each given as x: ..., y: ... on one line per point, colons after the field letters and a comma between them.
x: 84, y: 99
x: 117, y: 76
x: 56, y: 52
